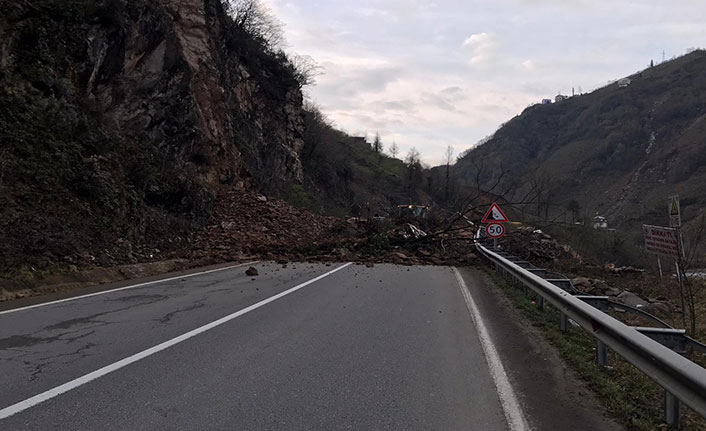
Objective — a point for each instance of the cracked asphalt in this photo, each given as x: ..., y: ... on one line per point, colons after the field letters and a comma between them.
x: 382, y: 348
x: 50, y: 345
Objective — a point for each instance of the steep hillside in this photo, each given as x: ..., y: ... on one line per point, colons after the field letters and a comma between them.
x: 118, y: 118
x: 345, y: 176
x: 123, y: 123
x: 619, y: 152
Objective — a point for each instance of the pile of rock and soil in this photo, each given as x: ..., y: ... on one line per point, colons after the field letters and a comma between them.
x: 249, y: 225
x: 625, y: 284
x: 534, y: 245
x: 246, y: 224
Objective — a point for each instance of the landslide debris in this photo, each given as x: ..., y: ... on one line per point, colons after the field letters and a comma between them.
x: 625, y: 284
x: 534, y: 245
x: 248, y: 225
x: 117, y: 119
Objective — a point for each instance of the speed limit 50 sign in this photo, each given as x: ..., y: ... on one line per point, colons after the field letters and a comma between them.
x: 495, y: 230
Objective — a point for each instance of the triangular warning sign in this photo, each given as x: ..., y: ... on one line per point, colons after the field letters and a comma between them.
x: 494, y: 215
x: 675, y: 208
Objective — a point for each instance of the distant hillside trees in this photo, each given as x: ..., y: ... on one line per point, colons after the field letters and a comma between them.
x: 575, y: 209
x: 257, y: 20
x: 447, y: 185
x: 377, y: 144
x: 306, y: 69
x: 394, y: 150
x: 415, y: 171
x: 344, y: 175
x: 265, y: 29
x: 316, y: 126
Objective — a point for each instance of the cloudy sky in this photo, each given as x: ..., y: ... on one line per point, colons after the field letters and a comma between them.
x: 428, y: 74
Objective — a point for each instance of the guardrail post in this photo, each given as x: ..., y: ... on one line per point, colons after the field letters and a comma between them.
x: 677, y: 373
x: 671, y: 409
x: 540, y: 302
x: 564, y: 322
x: 601, y: 353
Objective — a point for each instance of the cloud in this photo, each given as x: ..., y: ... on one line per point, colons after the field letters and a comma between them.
x: 346, y: 80
x: 481, y: 46
x: 453, y: 94
x: 398, y: 105
x: 528, y: 65
x: 449, y: 72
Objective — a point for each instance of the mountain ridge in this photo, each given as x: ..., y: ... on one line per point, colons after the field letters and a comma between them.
x: 619, y: 152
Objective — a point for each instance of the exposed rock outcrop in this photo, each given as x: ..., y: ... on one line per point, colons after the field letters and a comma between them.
x: 120, y: 116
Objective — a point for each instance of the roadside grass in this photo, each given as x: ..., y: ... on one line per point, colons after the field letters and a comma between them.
x: 29, y: 274
x: 628, y: 394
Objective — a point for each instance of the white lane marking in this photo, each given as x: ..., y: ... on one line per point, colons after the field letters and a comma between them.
x: 132, y: 286
x: 73, y: 384
x: 511, y: 407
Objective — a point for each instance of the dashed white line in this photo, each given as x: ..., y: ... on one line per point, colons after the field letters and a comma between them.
x: 132, y: 286
x: 514, y: 416
x: 73, y: 384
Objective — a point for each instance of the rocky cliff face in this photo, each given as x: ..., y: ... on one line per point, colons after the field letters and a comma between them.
x: 119, y: 116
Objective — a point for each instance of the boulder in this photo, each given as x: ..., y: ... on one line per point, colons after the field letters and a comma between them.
x: 601, y: 285
x: 581, y: 282
x: 629, y: 298
x: 341, y: 252
x: 251, y: 272
x: 436, y: 261
x: 658, y: 308
x: 612, y: 291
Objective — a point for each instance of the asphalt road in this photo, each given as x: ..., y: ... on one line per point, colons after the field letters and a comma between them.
x: 306, y: 347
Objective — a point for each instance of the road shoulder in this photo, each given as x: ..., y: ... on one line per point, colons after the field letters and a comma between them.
x: 552, y: 395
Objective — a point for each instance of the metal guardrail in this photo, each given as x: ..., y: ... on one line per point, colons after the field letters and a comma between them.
x: 682, y: 379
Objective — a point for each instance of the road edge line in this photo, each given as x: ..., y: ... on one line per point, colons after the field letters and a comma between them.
x: 73, y: 384
x: 118, y: 289
x: 514, y: 416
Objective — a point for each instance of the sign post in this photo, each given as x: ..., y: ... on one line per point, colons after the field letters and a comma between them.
x: 495, y: 229
x: 664, y: 241
x: 674, y: 211
x: 494, y: 215
x: 675, y: 222
x: 661, y: 240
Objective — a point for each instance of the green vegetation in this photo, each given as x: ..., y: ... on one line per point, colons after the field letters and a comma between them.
x: 297, y: 196
x: 627, y: 393
x: 376, y: 245
x: 345, y: 175
x: 600, y: 246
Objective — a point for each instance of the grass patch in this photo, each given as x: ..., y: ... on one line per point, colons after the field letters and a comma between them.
x: 376, y: 245
x: 627, y: 393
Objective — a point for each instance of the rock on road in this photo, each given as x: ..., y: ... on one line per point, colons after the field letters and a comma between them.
x: 306, y: 347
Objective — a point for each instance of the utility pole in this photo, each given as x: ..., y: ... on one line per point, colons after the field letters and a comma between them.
x: 663, y: 54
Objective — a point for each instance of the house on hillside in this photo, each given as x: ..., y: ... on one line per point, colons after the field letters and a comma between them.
x: 624, y: 82
x: 546, y: 101
x: 560, y: 98
x: 359, y: 140
x: 600, y: 222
